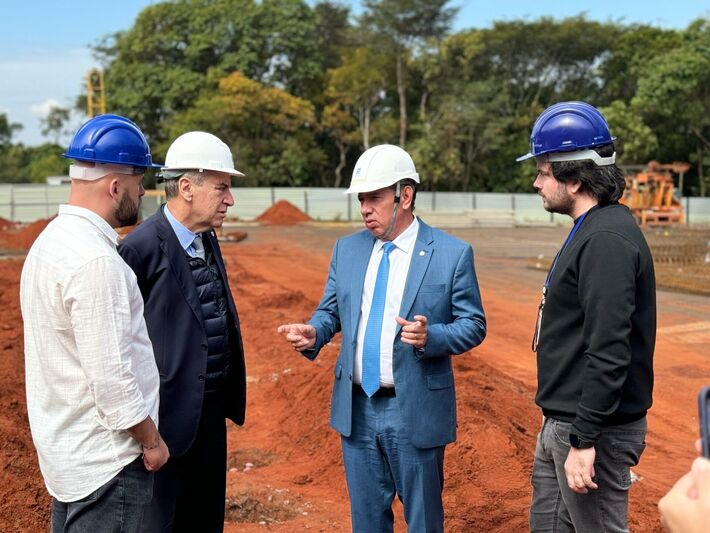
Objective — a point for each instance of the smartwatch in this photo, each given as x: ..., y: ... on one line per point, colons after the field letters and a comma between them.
x: 578, y: 442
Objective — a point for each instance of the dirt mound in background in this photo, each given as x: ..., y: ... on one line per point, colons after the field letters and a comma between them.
x: 6, y: 224
x: 23, y: 237
x: 283, y: 213
x: 233, y: 236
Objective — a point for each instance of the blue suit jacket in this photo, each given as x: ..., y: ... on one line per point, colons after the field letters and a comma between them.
x: 173, y: 316
x: 442, y: 286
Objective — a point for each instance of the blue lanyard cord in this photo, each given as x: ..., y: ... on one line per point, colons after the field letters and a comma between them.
x: 567, y: 241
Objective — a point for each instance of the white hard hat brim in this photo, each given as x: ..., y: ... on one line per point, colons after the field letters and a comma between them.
x: 230, y: 171
x: 357, y: 188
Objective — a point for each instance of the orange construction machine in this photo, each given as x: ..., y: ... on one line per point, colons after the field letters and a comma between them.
x: 650, y: 194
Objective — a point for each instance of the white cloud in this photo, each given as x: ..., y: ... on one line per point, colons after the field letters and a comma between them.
x: 43, y: 109
x: 37, y: 79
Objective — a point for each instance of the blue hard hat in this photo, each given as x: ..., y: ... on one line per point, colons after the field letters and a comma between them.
x: 110, y: 139
x: 568, y: 126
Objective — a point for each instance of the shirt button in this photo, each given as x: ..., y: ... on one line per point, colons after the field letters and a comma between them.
x: 203, y: 346
x: 201, y: 377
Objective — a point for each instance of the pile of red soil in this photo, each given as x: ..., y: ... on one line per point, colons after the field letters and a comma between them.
x: 6, y: 224
x: 283, y: 213
x: 22, y: 238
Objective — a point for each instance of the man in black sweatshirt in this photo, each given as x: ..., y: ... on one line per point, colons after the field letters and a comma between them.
x: 595, y: 332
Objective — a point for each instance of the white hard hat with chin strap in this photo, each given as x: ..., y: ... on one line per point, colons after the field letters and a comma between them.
x: 380, y: 167
x: 198, y: 151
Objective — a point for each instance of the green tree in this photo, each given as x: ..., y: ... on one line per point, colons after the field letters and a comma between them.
x: 53, y: 125
x: 675, y: 90
x: 403, y: 25
x: 44, y: 161
x: 332, y: 31
x: 358, y: 85
x: 634, y: 47
x: 342, y: 128
x: 13, y: 164
x: 7, y: 130
x: 271, y: 132
x: 502, y: 77
x: 177, y: 49
x: 11, y: 156
x: 637, y: 142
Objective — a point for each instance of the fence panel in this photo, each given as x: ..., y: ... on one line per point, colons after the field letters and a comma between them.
x: 28, y: 202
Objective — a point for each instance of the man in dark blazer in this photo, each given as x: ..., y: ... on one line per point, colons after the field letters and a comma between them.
x: 193, y: 325
x: 405, y: 297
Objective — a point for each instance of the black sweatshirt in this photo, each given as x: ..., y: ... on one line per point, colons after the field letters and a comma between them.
x: 595, y: 351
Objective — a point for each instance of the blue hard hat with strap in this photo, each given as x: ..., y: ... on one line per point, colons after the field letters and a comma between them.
x: 570, y: 131
x: 111, y: 139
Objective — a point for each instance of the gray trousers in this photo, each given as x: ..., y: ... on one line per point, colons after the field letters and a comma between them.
x: 115, y: 507
x: 555, y: 507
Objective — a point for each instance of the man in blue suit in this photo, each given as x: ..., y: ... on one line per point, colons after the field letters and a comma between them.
x: 406, y: 299
x: 193, y: 324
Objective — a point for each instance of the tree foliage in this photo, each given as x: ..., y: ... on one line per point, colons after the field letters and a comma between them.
x: 270, y: 132
x: 299, y: 90
x: 176, y: 50
x: 402, y: 26
x: 54, y: 124
x: 7, y: 130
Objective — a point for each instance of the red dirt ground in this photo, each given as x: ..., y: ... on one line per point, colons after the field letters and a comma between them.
x: 295, y: 481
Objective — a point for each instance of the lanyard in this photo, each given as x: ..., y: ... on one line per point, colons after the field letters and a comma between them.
x: 538, y: 325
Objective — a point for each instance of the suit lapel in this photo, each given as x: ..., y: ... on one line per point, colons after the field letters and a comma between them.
x: 175, y: 256
x: 421, y: 256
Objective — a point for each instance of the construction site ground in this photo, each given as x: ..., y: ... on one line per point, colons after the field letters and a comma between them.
x: 285, y: 472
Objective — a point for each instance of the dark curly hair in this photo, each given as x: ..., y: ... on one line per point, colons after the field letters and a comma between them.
x: 605, y: 183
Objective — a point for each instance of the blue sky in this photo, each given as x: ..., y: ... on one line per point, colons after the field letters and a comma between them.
x: 44, y: 44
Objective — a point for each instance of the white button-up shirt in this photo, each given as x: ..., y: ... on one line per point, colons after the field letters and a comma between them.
x: 89, y: 364
x: 400, y: 258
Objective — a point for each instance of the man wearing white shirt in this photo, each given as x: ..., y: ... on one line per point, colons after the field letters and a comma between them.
x: 91, y: 379
x: 405, y: 297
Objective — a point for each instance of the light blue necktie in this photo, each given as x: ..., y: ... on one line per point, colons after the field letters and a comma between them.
x: 373, y: 331
x: 199, y: 247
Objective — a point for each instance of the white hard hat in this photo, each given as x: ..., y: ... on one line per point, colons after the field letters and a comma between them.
x: 198, y: 150
x: 380, y: 167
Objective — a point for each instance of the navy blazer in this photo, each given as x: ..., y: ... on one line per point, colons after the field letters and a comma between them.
x: 441, y: 285
x: 174, y: 319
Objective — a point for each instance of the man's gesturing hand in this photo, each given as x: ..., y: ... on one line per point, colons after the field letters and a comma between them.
x: 414, y: 333
x: 301, y: 336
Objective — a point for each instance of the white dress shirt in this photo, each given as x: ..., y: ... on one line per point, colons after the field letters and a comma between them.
x: 89, y: 366
x: 400, y: 258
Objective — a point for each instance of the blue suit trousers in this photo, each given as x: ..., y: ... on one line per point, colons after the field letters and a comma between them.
x: 380, y: 461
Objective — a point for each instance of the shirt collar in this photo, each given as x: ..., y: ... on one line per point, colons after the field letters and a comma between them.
x: 184, y: 235
x: 405, y: 240
x: 103, y: 226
